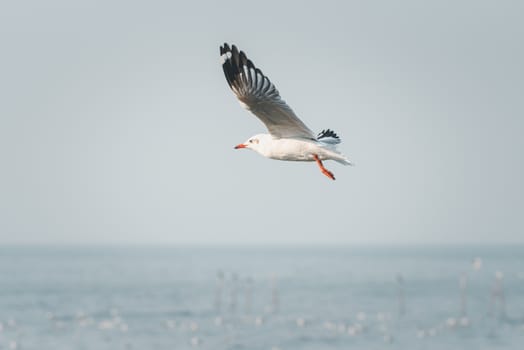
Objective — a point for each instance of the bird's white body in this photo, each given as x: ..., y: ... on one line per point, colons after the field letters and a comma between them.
x: 292, y: 149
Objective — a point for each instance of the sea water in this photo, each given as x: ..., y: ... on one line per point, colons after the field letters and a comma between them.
x: 268, y: 297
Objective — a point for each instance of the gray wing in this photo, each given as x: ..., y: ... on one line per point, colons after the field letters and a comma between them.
x: 258, y: 95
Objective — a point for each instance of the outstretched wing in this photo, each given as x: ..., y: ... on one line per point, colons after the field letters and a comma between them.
x: 258, y: 95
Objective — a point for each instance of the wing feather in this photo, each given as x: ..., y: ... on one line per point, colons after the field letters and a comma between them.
x: 257, y: 94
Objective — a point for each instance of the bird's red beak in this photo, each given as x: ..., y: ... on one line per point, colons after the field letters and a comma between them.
x: 240, y: 146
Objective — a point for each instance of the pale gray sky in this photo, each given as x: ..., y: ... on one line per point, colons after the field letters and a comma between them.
x: 117, y: 125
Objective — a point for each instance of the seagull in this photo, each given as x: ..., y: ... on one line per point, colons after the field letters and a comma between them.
x: 289, y: 138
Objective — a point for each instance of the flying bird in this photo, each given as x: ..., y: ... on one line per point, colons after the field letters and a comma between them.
x: 289, y: 138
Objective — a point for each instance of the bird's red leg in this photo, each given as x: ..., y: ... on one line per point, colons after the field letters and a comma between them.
x: 324, y: 170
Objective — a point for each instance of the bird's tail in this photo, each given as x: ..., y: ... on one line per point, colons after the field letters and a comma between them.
x: 337, y: 156
x: 344, y: 160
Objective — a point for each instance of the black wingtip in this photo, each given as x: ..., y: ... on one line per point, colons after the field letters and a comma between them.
x: 233, y: 62
x: 327, y: 133
x: 243, y: 58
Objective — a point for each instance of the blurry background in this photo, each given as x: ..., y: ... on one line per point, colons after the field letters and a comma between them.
x: 261, y: 298
x: 117, y: 125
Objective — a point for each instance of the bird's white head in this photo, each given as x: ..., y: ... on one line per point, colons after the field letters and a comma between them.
x: 256, y: 143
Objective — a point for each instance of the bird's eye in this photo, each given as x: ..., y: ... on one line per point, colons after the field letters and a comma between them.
x: 250, y: 141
